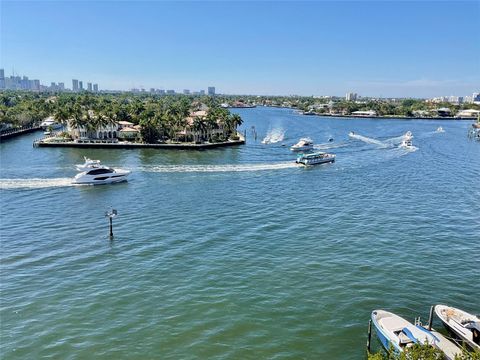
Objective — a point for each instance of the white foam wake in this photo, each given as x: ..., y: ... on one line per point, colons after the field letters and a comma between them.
x: 367, y: 140
x: 34, y: 183
x: 217, y: 168
x: 273, y: 136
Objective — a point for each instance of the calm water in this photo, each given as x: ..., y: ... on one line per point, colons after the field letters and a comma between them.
x: 237, y: 253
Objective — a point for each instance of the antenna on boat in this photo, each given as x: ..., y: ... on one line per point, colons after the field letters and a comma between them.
x: 111, y: 214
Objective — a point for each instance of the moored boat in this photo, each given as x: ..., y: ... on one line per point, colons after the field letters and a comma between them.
x: 395, y: 332
x: 101, y: 175
x: 303, y: 145
x: 315, y: 158
x: 50, y: 123
x: 463, y: 324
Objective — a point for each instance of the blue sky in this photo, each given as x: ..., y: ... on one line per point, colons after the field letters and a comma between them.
x: 391, y: 48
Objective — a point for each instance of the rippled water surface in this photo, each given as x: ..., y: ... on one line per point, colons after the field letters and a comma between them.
x: 238, y: 253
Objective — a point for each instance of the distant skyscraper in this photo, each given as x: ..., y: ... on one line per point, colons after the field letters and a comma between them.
x: 36, y: 85
x: 2, y: 79
x: 61, y: 86
x: 186, y: 92
x: 95, y: 87
x: 89, y: 86
x: 202, y: 92
x: 351, y: 96
x: 74, y: 85
x: 80, y: 85
x: 211, y: 90
x: 170, y: 92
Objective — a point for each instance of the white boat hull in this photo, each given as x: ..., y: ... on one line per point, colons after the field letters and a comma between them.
x: 100, y: 179
x: 466, y: 326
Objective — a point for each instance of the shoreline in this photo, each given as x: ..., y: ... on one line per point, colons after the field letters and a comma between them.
x: 131, y: 145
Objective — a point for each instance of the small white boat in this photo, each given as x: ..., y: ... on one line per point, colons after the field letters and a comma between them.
x: 89, y: 164
x: 440, y: 129
x: 407, y: 144
x: 50, y: 123
x: 303, y: 145
x: 466, y: 326
x: 101, y: 175
x: 315, y: 158
x: 408, y: 135
x: 351, y: 134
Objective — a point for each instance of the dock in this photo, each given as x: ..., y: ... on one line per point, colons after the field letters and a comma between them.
x: 18, y: 131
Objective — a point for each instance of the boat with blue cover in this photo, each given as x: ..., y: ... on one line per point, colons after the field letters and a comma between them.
x: 395, y: 332
x: 315, y: 158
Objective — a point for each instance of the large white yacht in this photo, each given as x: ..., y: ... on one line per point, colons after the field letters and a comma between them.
x: 101, y: 175
x: 50, y: 123
x: 303, y: 145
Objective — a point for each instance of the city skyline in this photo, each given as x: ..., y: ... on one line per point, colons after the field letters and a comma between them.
x: 306, y: 48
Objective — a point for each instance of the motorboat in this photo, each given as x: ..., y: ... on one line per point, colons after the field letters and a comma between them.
x: 351, y: 134
x: 303, y: 145
x: 101, y: 175
x: 407, y: 144
x: 394, y: 331
x: 463, y: 324
x: 50, y: 123
x: 440, y: 129
x: 408, y: 135
x: 88, y: 164
x: 315, y: 158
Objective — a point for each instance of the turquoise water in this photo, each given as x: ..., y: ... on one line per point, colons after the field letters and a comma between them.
x: 238, y: 253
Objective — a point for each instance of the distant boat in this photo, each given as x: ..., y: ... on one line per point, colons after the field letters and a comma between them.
x: 394, y: 331
x: 440, y: 129
x: 407, y: 144
x: 351, y: 134
x: 466, y: 326
x: 50, y: 123
x: 303, y: 145
x: 315, y: 158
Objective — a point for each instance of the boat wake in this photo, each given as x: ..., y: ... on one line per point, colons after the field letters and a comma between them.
x: 367, y: 140
x: 217, y: 168
x: 273, y: 136
x: 8, y: 184
x: 327, y: 146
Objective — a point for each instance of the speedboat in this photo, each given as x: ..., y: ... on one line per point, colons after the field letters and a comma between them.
x: 101, y: 175
x: 303, y: 145
x: 50, y: 123
x: 315, y: 158
x: 351, y: 134
x: 408, y: 135
x: 394, y: 331
x: 407, y: 144
x: 466, y: 326
x: 89, y: 164
x: 440, y: 129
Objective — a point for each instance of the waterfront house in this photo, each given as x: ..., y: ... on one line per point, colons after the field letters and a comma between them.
x: 129, y: 133
x: 468, y: 114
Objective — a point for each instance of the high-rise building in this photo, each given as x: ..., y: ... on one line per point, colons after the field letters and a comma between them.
x: 170, y: 92
x: 89, y: 86
x: 186, y: 92
x: 74, y: 85
x: 351, y: 97
x: 95, y: 87
x: 61, y: 86
x: 202, y: 92
x: 80, y: 85
x: 36, y: 85
x: 2, y: 79
x: 211, y: 90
